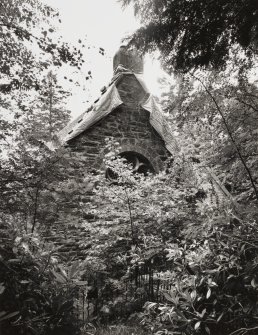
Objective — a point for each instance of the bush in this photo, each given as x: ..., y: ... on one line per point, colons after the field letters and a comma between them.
x: 213, y: 279
x: 37, y: 294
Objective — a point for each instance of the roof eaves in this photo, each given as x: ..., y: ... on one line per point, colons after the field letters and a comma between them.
x: 73, y: 125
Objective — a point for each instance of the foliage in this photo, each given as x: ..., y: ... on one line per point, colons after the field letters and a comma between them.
x: 43, y: 114
x: 189, y: 231
x: 223, y: 132
x: 218, y: 295
x: 28, y: 45
x: 184, y: 214
x: 113, y: 330
x: 30, y: 48
x: 137, y: 217
x: 37, y: 292
x: 181, y: 214
x: 213, y: 277
x: 38, y: 288
x: 30, y: 166
x: 178, y: 223
x: 191, y: 34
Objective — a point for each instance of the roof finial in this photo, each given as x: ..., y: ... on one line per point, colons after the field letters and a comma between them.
x: 129, y: 59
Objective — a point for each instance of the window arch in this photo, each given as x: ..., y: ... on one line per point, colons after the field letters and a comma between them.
x: 139, y: 163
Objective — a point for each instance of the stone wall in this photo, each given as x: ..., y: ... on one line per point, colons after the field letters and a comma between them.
x: 128, y: 124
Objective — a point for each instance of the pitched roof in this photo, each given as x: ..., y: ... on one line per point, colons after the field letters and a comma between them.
x: 109, y: 100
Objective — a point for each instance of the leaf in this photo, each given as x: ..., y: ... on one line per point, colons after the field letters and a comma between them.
x: 202, y: 313
x: 150, y: 305
x: 59, y: 278
x: 193, y: 295
x: 73, y: 270
x: 208, y: 293
x: 197, y: 325
x: 220, y: 317
x: 168, y: 297
x: 211, y: 271
x: 8, y: 316
x: 80, y: 283
x: 63, y: 272
x: 2, y: 288
x: 207, y: 329
x: 242, y: 248
x: 253, y: 283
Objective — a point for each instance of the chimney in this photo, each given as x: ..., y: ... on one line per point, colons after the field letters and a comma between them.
x: 129, y: 59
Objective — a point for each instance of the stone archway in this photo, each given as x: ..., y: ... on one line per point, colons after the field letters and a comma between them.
x: 138, y: 161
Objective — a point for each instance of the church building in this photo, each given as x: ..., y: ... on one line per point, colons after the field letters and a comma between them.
x: 127, y: 112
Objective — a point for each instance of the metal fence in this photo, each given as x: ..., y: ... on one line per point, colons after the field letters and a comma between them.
x: 143, y: 283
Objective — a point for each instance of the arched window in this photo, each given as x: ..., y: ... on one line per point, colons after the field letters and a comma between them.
x: 139, y: 163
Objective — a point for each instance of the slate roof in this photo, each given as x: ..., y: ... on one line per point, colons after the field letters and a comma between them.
x: 95, y: 112
x: 108, y: 101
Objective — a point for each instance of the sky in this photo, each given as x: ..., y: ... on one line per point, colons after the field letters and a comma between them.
x: 98, y: 23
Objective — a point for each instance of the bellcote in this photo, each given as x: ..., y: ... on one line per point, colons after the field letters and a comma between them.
x: 129, y: 59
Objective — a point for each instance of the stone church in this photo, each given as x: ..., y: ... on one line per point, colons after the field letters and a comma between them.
x: 127, y: 112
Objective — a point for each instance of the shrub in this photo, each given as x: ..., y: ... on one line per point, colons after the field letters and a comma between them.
x: 37, y: 293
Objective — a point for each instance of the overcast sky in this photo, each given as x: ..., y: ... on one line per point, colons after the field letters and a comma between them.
x: 98, y: 23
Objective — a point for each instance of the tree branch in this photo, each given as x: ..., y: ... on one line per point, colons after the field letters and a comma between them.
x: 36, y: 204
x: 242, y: 331
x: 247, y: 104
x: 230, y: 135
x: 130, y: 215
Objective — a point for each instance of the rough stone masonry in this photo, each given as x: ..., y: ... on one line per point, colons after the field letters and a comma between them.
x: 120, y: 113
x: 128, y: 124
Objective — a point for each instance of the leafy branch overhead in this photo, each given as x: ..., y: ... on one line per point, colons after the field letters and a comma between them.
x: 29, y: 44
x: 192, y: 34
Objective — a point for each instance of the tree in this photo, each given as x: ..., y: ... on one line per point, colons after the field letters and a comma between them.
x: 43, y: 114
x: 28, y: 45
x: 220, y: 118
x: 36, y: 292
x: 29, y: 48
x: 191, y: 34
x: 216, y: 295
x: 134, y: 217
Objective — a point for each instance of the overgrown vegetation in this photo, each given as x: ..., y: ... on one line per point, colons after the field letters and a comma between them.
x: 37, y: 294
x: 194, y: 34
x: 182, y: 243
x: 209, y: 277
